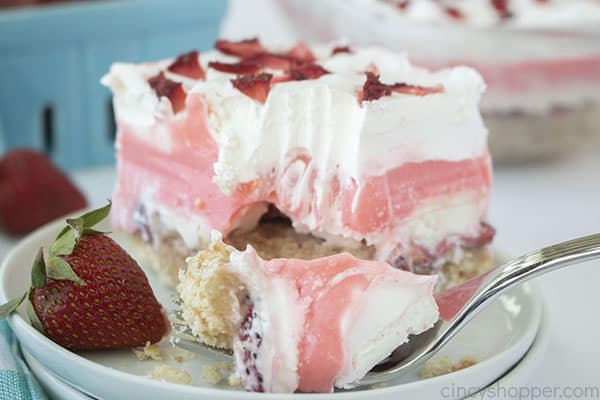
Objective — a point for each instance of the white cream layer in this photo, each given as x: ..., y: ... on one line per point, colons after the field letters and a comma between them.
x: 386, y: 315
x: 437, y: 219
x: 430, y: 223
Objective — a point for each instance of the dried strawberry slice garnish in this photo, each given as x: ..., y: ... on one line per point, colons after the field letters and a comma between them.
x: 273, y: 61
x: 255, y: 57
x: 454, y: 13
x: 373, y: 89
x: 301, y: 73
x: 403, y: 4
x: 241, y: 67
x: 307, y: 71
x: 255, y: 63
x: 501, y: 7
x: 302, y: 53
x: 170, y: 89
x: 416, y: 90
x: 187, y: 65
x: 340, y: 49
x: 243, y: 48
x: 255, y: 86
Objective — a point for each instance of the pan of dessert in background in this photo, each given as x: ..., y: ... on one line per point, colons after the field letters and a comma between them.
x: 540, y: 60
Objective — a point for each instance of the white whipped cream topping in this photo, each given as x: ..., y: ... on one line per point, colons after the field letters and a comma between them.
x: 385, y: 316
x: 321, y: 117
x: 525, y: 14
x: 135, y: 102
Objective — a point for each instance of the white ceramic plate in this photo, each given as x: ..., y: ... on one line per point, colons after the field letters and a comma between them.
x: 499, y: 337
x: 518, y: 376
x: 55, y: 387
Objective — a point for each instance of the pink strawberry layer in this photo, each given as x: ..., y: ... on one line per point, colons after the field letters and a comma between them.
x: 519, y: 77
x: 183, y: 180
x: 335, y: 293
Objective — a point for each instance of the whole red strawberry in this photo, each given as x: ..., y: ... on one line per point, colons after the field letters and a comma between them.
x: 33, y: 191
x: 90, y: 294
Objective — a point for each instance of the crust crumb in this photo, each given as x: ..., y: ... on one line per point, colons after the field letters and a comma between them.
x: 464, y: 363
x: 180, y: 355
x: 170, y: 374
x: 377, y: 385
x: 150, y: 351
x: 444, y: 365
x: 211, y: 375
x: 234, y: 381
x: 227, y: 366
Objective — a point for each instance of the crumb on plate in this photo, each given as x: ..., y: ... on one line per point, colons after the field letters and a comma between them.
x: 180, y: 355
x: 211, y: 375
x: 465, y: 362
x: 444, y: 365
x: 234, y: 381
x: 170, y: 374
x: 227, y: 366
x: 150, y: 351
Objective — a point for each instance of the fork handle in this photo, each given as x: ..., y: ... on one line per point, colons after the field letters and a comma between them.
x: 479, y: 292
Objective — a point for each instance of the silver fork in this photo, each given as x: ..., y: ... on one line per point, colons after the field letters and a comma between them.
x: 457, y: 306
x: 182, y: 336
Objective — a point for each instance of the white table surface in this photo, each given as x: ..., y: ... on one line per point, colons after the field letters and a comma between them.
x: 531, y: 206
x: 539, y: 205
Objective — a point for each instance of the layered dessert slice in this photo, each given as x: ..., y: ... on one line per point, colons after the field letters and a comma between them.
x: 305, y: 325
x: 302, y: 152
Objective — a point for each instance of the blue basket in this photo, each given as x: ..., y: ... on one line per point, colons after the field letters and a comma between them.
x: 52, y: 58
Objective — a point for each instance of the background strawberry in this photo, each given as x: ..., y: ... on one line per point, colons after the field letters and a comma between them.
x: 90, y: 294
x: 33, y: 191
